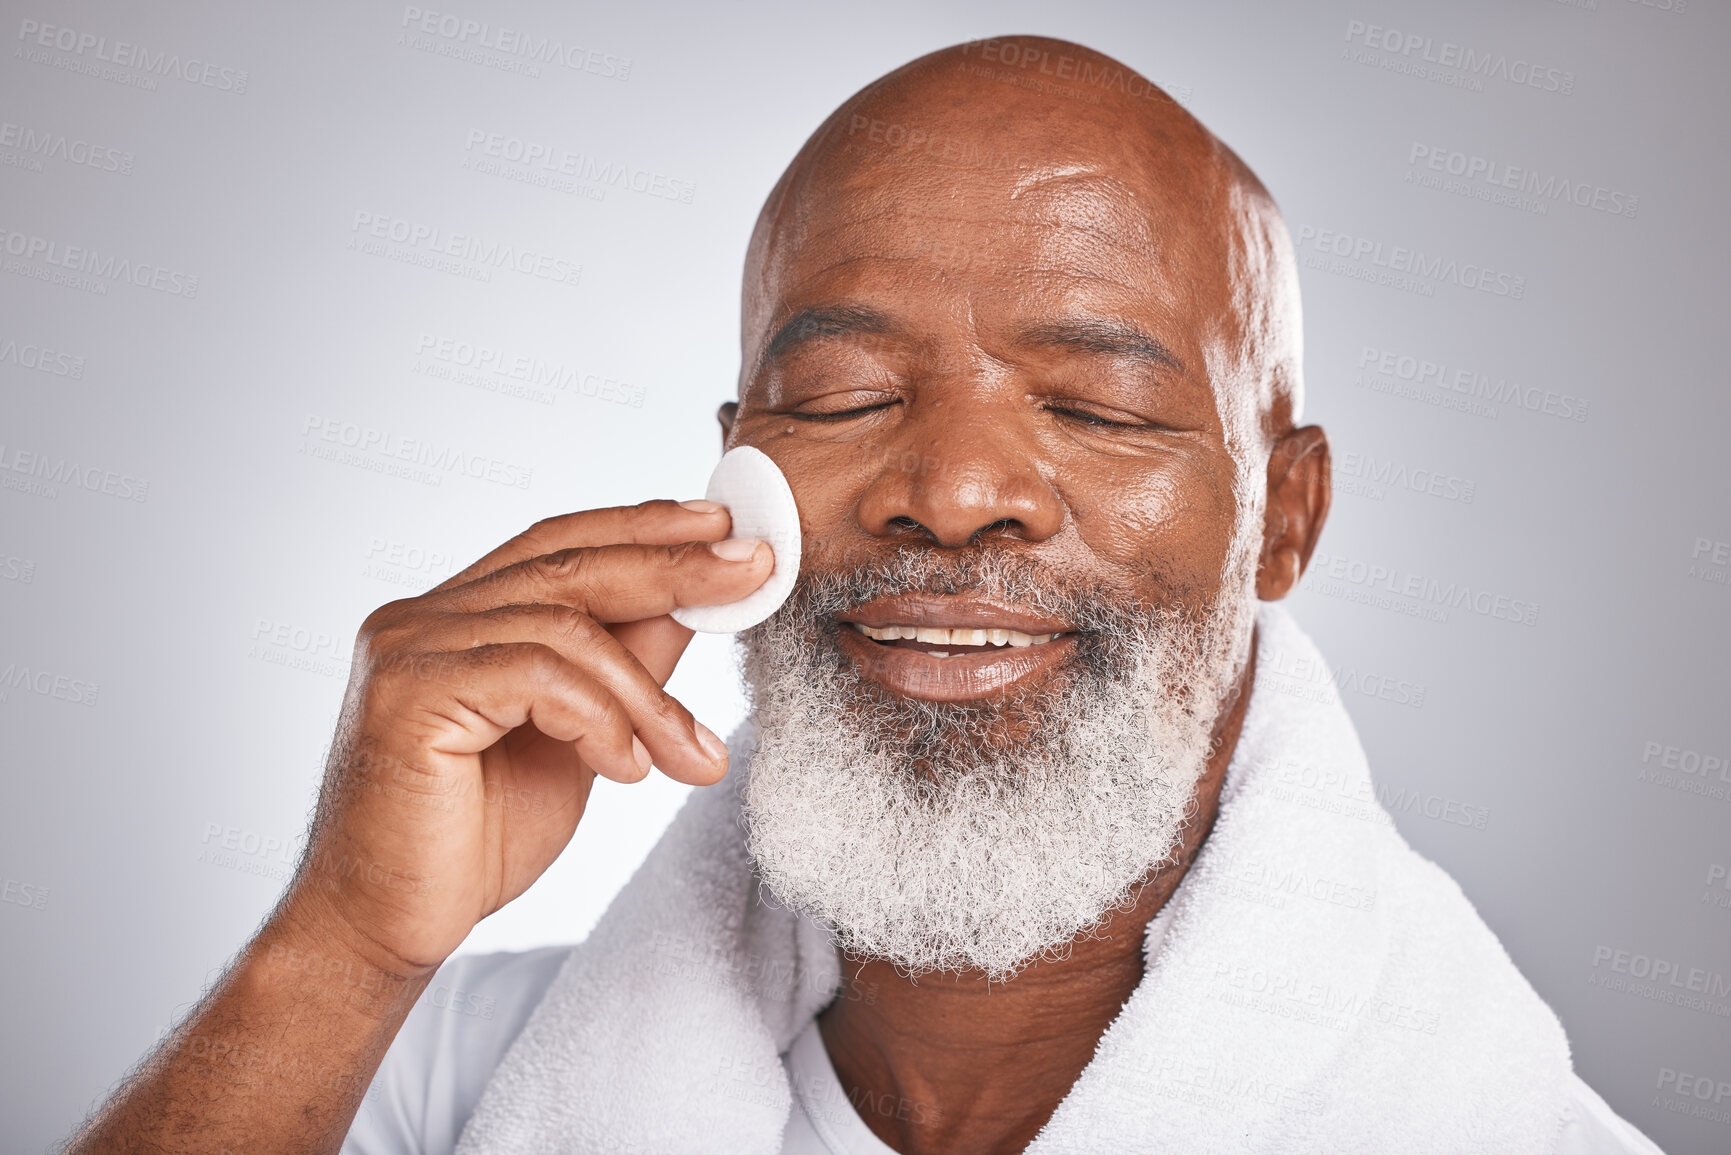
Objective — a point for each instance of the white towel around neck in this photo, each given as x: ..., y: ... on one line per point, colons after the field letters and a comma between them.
x: 1321, y: 988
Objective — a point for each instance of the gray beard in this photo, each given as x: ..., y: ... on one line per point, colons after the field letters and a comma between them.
x: 986, y: 835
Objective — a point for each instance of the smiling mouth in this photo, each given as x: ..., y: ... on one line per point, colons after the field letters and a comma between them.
x: 957, y: 641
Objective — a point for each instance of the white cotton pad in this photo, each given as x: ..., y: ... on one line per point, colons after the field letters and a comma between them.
x: 757, y: 496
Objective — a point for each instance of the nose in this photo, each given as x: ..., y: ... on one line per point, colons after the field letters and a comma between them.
x: 951, y: 479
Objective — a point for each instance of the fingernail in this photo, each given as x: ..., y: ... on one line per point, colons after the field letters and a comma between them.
x: 701, y: 506
x: 734, y: 548
x: 713, y: 746
x: 640, y: 752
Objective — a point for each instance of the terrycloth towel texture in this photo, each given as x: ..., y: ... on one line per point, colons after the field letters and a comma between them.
x: 1321, y: 988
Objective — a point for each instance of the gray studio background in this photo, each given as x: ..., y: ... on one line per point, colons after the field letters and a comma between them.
x: 214, y: 358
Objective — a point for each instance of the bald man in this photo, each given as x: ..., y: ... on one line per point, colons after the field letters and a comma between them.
x: 1019, y: 852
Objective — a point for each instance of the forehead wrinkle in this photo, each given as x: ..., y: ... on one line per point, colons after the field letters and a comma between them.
x: 1081, y: 197
x: 1111, y: 236
x: 1087, y: 198
x: 1092, y: 222
x: 1050, y: 173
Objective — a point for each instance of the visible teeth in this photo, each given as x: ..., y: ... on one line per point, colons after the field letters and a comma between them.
x: 960, y: 636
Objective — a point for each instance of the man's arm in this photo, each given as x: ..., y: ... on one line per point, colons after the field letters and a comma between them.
x: 475, y: 721
x: 276, y: 1057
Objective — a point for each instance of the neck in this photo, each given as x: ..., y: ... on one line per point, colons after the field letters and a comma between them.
x: 952, y: 1063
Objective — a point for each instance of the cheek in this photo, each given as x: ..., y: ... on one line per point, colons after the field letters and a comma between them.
x: 1165, y: 528
x: 827, y: 480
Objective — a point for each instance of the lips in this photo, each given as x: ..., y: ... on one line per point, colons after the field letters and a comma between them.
x: 952, y: 649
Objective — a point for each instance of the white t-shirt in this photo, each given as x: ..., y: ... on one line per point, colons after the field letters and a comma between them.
x: 476, y: 1006
x: 823, y: 1120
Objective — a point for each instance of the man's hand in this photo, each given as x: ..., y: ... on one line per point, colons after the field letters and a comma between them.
x: 477, y: 717
x: 479, y: 713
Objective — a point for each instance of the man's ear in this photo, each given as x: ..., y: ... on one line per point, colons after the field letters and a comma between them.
x: 725, y: 415
x: 1299, y: 491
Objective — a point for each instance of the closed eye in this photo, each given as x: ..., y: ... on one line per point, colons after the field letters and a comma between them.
x: 850, y: 407
x: 1094, y: 419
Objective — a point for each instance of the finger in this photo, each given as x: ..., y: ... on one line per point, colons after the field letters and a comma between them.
x: 651, y: 523
x: 491, y: 690
x: 657, y: 643
x: 622, y: 583
x: 685, y: 750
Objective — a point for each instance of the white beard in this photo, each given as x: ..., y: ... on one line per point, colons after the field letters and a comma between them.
x: 982, y: 836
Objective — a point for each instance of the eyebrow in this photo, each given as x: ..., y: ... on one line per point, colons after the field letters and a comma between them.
x: 816, y: 322
x: 1112, y: 338
x: 1109, y: 337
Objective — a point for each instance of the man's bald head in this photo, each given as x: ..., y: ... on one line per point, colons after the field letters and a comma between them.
x: 1058, y: 133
